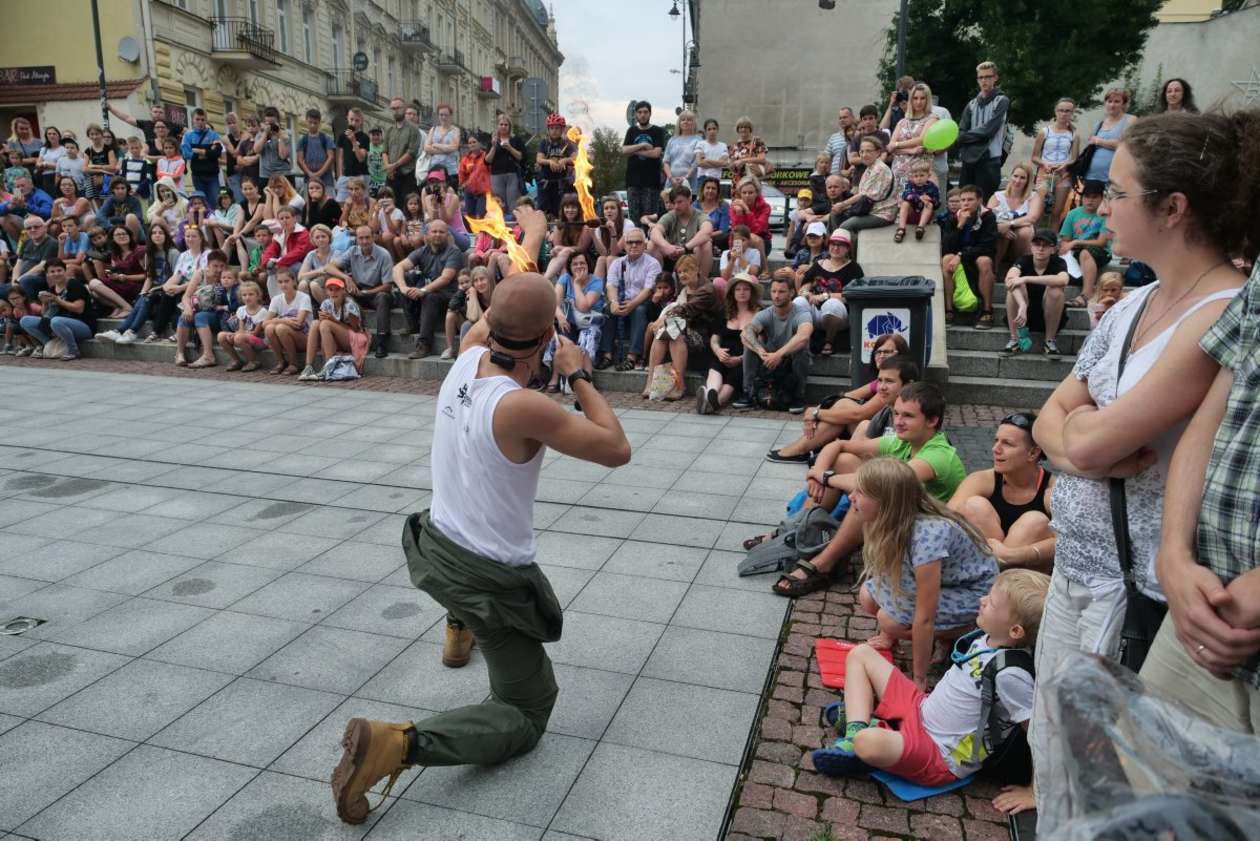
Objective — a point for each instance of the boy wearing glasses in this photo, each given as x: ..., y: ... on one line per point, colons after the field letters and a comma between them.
x: 982, y: 133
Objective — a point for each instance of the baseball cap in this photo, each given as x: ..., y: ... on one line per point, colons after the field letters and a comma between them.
x: 437, y: 175
x: 816, y: 229
x: 804, y: 193
x: 335, y: 281
x: 1045, y: 235
x: 841, y: 235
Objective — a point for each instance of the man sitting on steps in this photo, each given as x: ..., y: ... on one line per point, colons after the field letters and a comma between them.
x: 918, y: 414
x: 778, y: 343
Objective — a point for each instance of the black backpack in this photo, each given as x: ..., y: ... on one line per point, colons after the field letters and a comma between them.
x: 1008, y: 757
x: 776, y: 389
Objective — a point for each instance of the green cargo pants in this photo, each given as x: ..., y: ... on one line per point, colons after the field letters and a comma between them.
x: 511, y: 612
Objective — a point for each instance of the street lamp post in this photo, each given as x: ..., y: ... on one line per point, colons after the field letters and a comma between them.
x: 675, y: 12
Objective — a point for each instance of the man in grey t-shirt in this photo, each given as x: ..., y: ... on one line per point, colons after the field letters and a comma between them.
x: 777, y: 337
x: 431, y: 270
x: 368, y: 271
x: 272, y: 146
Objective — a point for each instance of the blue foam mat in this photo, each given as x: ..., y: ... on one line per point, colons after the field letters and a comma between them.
x: 908, y: 791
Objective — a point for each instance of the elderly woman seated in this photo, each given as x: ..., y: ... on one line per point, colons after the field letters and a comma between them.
x: 1009, y: 503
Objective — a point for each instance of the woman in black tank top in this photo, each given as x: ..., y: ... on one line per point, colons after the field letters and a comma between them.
x: 1010, y: 502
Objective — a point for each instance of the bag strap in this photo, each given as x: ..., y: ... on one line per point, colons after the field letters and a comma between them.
x: 1119, y: 501
x: 988, y: 730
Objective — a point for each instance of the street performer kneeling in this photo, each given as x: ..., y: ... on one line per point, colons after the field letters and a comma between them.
x: 473, y: 551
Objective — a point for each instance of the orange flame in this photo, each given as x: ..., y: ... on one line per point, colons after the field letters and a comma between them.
x: 582, y: 168
x: 494, y: 225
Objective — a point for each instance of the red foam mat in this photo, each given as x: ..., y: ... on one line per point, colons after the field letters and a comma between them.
x: 831, y: 655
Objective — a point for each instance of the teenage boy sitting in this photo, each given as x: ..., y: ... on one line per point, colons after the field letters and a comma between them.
x: 918, y: 413
x: 934, y: 739
x: 1084, y: 236
x: 971, y: 241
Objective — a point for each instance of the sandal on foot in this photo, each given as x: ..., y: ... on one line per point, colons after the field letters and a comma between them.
x: 249, y: 366
x: 626, y: 364
x: 900, y: 235
x: 985, y: 321
x: 235, y: 366
x: 1078, y: 301
x: 949, y: 316
x: 919, y: 231
x: 827, y: 350
x: 814, y: 580
x: 603, y: 362
x: 278, y: 369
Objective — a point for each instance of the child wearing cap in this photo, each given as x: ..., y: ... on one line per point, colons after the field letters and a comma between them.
x: 1034, y: 295
x: 339, y: 316
x: 222, y: 220
x: 246, y: 337
x: 920, y: 199
x: 814, y: 248
x: 1084, y: 235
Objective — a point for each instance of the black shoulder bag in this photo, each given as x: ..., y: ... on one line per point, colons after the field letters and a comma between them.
x: 1081, y: 165
x: 1142, y: 614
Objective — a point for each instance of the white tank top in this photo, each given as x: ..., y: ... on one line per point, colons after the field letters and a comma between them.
x: 481, y: 499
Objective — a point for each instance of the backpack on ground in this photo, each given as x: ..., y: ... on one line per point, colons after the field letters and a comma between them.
x: 799, y: 537
x: 1008, y: 757
x: 775, y: 389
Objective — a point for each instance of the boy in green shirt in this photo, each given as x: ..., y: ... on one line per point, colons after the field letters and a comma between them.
x: 1084, y: 236
x: 917, y: 417
x: 376, y: 160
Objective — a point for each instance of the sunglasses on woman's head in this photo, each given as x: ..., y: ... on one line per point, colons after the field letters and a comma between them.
x: 1019, y: 420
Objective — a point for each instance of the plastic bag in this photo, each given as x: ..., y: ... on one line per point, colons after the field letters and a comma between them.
x: 1141, y: 767
x: 964, y: 299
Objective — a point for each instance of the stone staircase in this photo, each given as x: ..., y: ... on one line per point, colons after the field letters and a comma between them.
x: 966, y: 361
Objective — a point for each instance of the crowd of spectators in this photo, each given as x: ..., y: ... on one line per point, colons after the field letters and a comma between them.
x: 252, y: 241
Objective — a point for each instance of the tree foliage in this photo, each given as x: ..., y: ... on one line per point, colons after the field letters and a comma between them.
x: 610, y: 165
x: 1043, y: 50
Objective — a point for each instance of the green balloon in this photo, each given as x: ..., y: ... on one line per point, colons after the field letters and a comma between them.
x: 940, y: 136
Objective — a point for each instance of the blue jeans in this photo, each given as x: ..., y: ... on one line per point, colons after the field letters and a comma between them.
x: 234, y: 184
x: 137, y: 317
x: 636, y: 322
x: 69, y: 330
x: 207, y: 318
x: 475, y: 204
x: 208, y: 184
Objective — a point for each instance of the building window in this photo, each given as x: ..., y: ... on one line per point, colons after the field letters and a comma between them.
x: 282, y: 24
x: 308, y: 35
x: 390, y: 91
x: 336, y: 46
x: 229, y: 105
x: 221, y: 8
x: 192, y: 99
x: 253, y: 12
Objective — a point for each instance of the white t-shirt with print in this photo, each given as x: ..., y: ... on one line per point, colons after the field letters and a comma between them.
x: 712, y: 152
x: 348, y: 308
x: 244, y: 316
x: 951, y: 713
x: 281, y: 308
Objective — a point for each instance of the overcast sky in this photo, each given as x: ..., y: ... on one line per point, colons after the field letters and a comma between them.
x: 615, y: 51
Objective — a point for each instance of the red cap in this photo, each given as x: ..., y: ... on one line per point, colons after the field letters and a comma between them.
x: 335, y: 281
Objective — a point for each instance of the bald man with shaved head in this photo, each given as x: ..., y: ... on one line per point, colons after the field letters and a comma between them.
x: 473, y: 550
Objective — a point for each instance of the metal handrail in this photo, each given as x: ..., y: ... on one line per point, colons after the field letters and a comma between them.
x: 242, y: 34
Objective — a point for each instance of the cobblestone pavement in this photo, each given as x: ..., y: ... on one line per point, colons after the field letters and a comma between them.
x: 191, y: 580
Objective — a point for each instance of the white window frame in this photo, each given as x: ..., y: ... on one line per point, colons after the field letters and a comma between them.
x: 337, y: 34
x: 282, y: 25
x: 308, y: 35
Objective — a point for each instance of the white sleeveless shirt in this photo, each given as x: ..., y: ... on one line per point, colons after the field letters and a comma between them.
x: 481, y: 500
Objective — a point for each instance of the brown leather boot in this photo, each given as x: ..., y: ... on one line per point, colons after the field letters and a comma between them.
x: 457, y: 647
x: 373, y: 750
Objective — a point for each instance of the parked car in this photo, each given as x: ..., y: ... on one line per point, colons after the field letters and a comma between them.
x: 780, y: 204
x: 624, y: 198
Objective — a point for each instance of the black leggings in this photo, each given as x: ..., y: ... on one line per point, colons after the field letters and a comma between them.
x: 165, y: 309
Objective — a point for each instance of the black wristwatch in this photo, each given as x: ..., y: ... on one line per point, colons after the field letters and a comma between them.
x: 826, y: 480
x: 579, y: 374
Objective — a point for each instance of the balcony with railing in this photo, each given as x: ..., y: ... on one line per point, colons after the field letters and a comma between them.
x: 347, y: 87
x: 241, y: 41
x: 452, y: 62
x: 416, y: 34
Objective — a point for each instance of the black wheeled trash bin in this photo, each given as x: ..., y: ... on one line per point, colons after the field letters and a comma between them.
x: 879, y: 305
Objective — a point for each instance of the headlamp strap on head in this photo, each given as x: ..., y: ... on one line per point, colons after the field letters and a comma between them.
x: 503, y: 360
